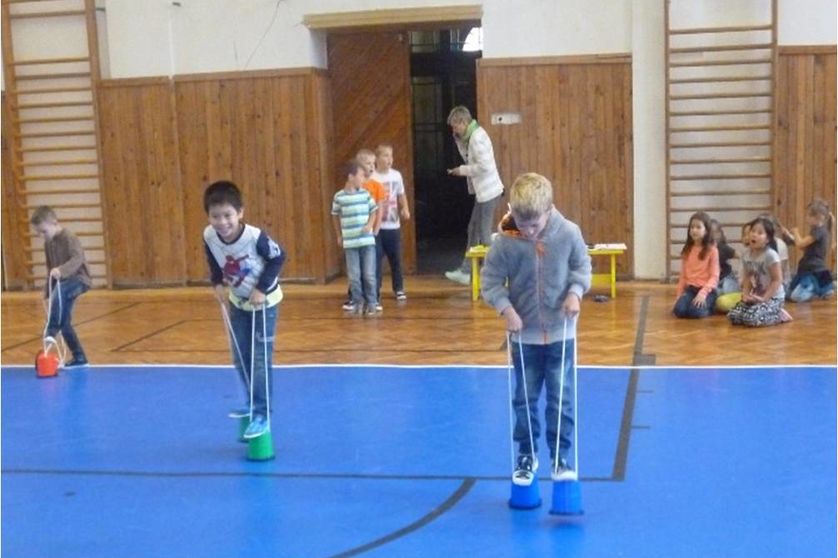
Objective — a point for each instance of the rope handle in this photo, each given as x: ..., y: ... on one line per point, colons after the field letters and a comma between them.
x: 48, y: 340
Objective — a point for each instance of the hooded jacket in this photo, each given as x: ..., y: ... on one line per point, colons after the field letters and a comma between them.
x: 535, y: 277
x: 480, y: 169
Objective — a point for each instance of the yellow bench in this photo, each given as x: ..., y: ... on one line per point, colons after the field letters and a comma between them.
x: 477, y: 253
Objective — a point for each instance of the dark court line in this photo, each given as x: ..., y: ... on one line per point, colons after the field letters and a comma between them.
x: 121, y: 348
x: 255, y: 474
x: 75, y: 324
x: 449, y: 503
x: 621, y: 456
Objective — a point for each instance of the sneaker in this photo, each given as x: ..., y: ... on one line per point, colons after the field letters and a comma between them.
x: 256, y: 428
x: 371, y: 311
x: 525, y: 470
x: 458, y: 277
x: 378, y: 307
x: 562, y: 472
x: 348, y: 306
x: 241, y: 412
x: 400, y: 296
x: 76, y: 363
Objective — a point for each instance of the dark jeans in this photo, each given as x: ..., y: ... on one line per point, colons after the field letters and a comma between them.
x: 389, y: 243
x: 263, y: 342
x: 684, y: 307
x: 544, y: 366
x: 61, y: 314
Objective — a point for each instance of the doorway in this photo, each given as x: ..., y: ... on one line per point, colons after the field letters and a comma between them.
x: 443, y: 75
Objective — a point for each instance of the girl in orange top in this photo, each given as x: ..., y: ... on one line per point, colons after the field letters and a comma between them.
x: 699, y: 271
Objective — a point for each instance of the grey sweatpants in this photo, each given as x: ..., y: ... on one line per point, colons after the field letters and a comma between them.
x: 480, y: 228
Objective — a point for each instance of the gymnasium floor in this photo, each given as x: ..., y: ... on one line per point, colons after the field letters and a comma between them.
x: 130, y: 460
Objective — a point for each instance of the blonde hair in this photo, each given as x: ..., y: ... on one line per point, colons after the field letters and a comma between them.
x: 364, y: 152
x: 381, y: 147
x: 530, y: 196
x: 459, y: 114
x: 42, y: 214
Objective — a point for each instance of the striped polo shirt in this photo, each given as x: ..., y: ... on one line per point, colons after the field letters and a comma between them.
x: 354, y: 209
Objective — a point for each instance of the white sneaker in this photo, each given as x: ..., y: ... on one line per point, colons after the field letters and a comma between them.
x: 563, y: 472
x: 458, y: 277
x: 525, y: 470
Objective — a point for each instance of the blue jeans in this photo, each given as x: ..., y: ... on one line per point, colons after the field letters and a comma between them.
x: 389, y: 243
x: 806, y: 286
x: 544, y: 366
x: 61, y: 314
x: 684, y: 307
x: 260, y: 376
x: 360, y: 266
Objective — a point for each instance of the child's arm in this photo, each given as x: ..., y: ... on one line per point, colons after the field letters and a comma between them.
x: 493, y: 283
x: 776, y: 272
x: 579, y: 276
x: 713, y: 270
x: 274, y: 257
x: 801, y: 242
x: 216, y: 275
x: 336, y: 226
x: 74, y: 263
x: 404, y: 210
x: 375, y: 218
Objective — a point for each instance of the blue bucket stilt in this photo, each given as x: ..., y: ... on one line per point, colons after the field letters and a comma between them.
x: 525, y: 497
x: 567, y: 498
x: 261, y: 448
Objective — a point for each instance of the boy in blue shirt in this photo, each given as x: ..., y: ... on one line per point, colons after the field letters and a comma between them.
x: 535, y: 274
x: 354, y: 215
x: 244, y: 261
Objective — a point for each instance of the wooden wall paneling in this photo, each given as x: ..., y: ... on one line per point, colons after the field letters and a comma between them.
x: 142, y: 183
x: 371, y: 104
x: 324, y: 178
x: 805, y: 144
x: 576, y: 131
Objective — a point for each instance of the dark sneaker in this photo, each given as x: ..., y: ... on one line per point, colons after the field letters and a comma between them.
x: 76, y: 363
x: 256, y: 428
x: 525, y: 470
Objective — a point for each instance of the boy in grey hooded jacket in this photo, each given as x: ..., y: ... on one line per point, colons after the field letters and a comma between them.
x: 535, y: 275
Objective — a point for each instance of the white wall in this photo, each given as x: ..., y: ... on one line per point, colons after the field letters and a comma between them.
x: 155, y: 37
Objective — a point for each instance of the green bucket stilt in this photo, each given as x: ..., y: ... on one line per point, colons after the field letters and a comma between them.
x: 244, y: 422
x: 261, y: 448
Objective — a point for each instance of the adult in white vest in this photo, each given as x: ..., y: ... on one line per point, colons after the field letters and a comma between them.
x: 483, y: 179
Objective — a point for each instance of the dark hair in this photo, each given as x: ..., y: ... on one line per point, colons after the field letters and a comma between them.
x: 350, y: 168
x: 706, y: 241
x: 41, y: 214
x: 722, y: 237
x: 768, y: 226
x: 821, y: 209
x: 222, y: 192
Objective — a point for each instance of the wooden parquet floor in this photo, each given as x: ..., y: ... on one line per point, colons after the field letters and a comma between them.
x: 438, y: 325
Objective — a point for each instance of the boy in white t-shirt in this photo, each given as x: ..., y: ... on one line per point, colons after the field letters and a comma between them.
x: 388, y: 240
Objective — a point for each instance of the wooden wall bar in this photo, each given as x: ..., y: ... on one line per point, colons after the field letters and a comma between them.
x: 576, y: 129
x: 804, y: 145
x: 142, y: 183
x: 13, y: 215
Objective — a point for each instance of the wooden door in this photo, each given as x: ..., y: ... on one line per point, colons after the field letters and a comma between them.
x: 370, y: 75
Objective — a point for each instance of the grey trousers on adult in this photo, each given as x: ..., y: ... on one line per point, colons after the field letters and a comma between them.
x: 480, y: 227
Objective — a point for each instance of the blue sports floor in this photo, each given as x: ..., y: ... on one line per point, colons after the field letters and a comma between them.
x: 130, y: 462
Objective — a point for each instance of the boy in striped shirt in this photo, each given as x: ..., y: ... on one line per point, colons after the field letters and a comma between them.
x: 354, y: 215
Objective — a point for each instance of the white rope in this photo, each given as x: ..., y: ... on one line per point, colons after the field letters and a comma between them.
x: 231, y: 336
x: 561, y: 399
x: 510, y: 408
x: 575, y: 406
x: 252, y: 357
x: 267, y: 371
x: 526, y: 395
x: 60, y: 349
